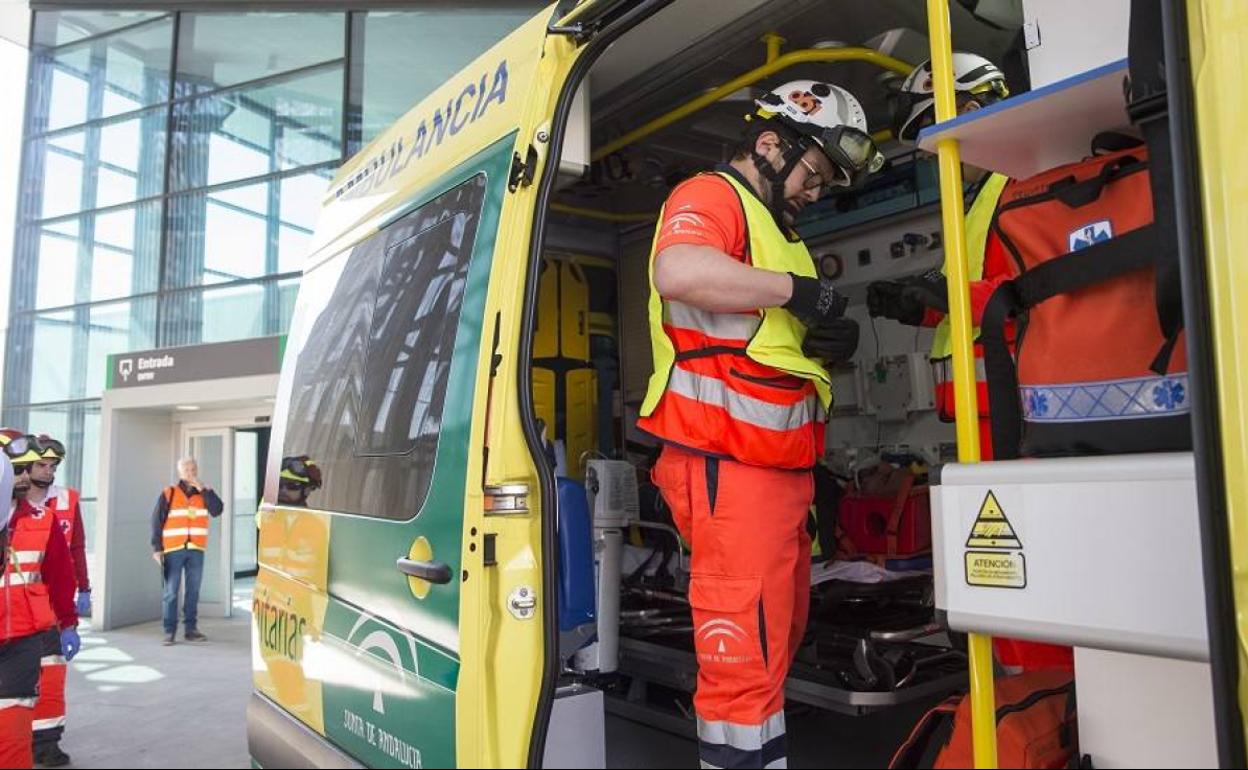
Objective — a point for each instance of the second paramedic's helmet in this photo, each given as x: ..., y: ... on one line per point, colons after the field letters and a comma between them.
x: 302, y: 470
x: 915, y: 107
x: 831, y: 117
x: 49, y: 448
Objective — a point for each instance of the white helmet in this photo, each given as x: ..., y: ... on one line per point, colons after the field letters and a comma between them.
x: 915, y: 106
x: 831, y: 117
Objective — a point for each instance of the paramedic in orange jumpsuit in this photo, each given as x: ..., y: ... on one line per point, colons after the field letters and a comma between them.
x: 741, y: 333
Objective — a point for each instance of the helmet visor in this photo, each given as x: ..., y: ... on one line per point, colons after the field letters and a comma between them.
x: 852, y: 151
x: 49, y: 448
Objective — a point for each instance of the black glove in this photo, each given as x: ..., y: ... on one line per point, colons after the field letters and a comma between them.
x: 929, y: 289
x: 832, y: 342
x: 890, y: 299
x: 815, y: 301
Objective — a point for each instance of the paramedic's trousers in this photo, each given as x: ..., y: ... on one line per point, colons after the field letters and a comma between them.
x: 19, y: 689
x: 50, y: 710
x: 750, y: 594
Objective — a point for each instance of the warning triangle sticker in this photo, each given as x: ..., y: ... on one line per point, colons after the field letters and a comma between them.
x: 992, y: 529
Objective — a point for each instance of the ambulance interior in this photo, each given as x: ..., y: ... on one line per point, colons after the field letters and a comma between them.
x: 874, y: 641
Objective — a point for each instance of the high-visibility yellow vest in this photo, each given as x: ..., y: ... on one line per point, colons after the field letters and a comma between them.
x: 738, y: 384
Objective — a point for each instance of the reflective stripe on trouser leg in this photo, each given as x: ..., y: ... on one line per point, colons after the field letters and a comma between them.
x: 730, y: 744
x: 49, y: 716
x: 747, y: 553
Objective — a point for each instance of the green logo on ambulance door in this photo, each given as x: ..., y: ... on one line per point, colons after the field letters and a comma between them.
x: 378, y: 706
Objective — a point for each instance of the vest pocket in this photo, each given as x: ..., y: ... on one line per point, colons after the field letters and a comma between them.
x: 780, y: 382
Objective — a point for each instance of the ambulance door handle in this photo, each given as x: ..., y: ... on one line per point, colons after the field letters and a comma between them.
x: 433, y: 571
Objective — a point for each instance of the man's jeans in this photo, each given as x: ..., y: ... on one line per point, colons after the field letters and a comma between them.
x: 192, y: 561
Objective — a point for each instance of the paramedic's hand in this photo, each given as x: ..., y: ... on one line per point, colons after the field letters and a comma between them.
x: 815, y: 302
x: 833, y: 342
x: 929, y: 289
x: 159, y: 558
x: 890, y: 299
x: 83, y: 605
x: 70, y: 643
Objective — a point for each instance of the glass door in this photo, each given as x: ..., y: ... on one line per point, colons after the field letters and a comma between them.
x: 212, y: 448
x: 250, y: 451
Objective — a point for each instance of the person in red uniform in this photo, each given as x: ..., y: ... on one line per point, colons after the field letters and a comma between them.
x: 63, y: 504
x: 36, y: 604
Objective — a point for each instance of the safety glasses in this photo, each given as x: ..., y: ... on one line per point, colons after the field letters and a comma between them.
x: 20, y: 469
x: 814, y: 179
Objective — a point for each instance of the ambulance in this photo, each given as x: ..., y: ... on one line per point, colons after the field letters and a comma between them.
x: 486, y: 578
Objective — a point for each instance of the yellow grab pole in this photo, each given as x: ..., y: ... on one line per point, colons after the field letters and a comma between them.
x: 771, y: 67
x: 775, y: 44
x: 983, y: 701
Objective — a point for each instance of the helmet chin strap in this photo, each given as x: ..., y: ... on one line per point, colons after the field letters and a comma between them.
x: 41, y: 484
x: 792, y: 156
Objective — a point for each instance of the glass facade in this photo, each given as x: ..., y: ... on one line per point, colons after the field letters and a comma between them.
x: 173, y: 166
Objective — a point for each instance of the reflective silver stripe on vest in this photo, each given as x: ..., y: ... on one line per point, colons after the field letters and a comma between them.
x: 28, y: 557
x: 22, y: 579
x: 944, y: 370
x: 762, y: 414
x: 726, y: 326
x: 187, y: 513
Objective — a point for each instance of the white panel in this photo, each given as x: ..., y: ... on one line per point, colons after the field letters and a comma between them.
x: 1075, y: 36
x: 577, y: 734
x: 1110, y: 549
x: 128, y: 581
x: 1140, y: 711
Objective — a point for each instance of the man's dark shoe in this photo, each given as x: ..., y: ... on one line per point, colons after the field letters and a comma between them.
x: 195, y: 636
x: 50, y: 755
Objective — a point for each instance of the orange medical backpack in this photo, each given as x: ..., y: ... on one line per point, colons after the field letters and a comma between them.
x: 1036, y: 726
x: 1101, y: 362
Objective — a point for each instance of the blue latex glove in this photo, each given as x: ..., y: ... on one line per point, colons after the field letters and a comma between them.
x: 70, y: 643
x: 83, y: 605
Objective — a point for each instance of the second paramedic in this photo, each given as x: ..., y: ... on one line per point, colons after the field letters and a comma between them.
x: 742, y: 333
x: 923, y: 300
x: 299, y: 478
